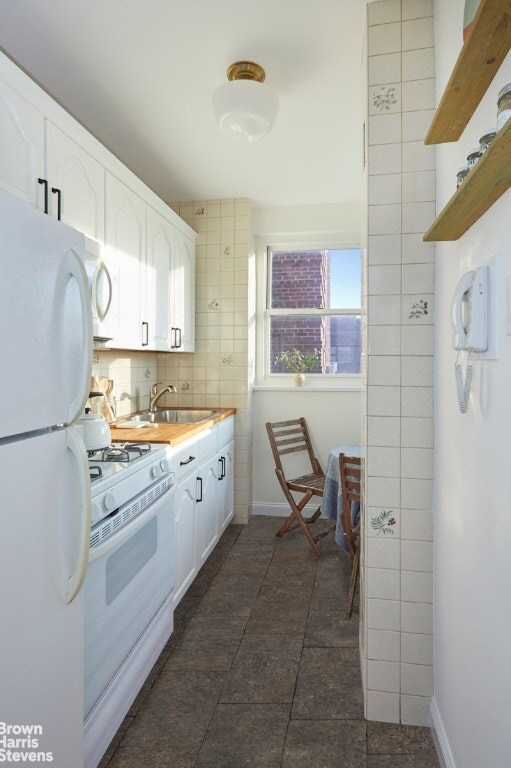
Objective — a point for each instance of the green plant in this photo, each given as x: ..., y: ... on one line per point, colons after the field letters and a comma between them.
x: 297, y: 361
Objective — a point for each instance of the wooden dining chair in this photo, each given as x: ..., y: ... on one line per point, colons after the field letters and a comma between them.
x: 288, y: 437
x: 350, y: 474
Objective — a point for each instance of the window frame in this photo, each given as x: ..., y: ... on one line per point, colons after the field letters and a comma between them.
x: 264, y: 379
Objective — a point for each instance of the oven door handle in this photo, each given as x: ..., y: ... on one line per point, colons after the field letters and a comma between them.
x: 133, y: 526
x: 77, y: 448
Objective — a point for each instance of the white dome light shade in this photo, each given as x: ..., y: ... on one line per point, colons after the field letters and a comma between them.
x: 245, y: 108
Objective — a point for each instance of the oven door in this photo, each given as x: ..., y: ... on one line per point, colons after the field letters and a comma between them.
x: 129, y: 577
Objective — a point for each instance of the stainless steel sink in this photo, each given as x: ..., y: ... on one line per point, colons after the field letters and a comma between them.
x: 173, y: 416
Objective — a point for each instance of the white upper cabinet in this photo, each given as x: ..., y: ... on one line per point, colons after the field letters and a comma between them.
x: 21, y: 147
x: 160, y: 258
x: 79, y: 180
x: 182, y: 295
x: 125, y: 230
x: 53, y: 163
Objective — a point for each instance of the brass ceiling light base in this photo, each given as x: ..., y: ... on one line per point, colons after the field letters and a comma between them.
x: 246, y: 70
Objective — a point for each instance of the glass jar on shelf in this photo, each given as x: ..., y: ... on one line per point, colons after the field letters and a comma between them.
x: 503, y: 106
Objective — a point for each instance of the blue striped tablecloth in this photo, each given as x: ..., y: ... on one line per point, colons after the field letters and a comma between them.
x: 331, y: 503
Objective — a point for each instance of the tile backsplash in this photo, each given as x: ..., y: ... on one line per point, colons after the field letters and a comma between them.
x: 132, y: 372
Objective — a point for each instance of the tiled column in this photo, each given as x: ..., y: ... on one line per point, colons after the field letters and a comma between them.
x: 397, y: 552
x: 220, y: 372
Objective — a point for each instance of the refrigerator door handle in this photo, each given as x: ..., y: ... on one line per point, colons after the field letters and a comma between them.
x: 77, y: 271
x: 77, y: 448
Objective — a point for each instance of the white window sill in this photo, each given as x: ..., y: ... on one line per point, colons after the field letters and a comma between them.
x: 344, y: 386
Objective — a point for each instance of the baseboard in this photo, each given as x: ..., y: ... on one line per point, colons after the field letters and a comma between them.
x: 439, y: 734
x: 278, y: 510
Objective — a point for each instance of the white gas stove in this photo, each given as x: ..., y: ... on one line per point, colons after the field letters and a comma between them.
x: 125, y: 478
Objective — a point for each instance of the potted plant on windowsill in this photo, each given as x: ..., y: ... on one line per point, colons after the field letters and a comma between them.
x: 298, y: 362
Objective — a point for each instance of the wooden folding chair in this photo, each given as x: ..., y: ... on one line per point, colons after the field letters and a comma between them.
x: 291, y: 437
x: 350, y: 474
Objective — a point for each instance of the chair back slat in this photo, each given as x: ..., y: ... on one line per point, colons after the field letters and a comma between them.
x: 350, y: 488
x: 290, y: 437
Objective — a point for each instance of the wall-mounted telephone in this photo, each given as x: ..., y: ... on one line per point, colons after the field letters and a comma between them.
x: 470, y: 325
x: 470, y: 311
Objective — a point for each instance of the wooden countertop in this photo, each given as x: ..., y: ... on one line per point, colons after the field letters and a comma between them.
x: 168, y: 433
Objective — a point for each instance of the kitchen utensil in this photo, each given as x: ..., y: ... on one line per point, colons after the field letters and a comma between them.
x: 105, y: 387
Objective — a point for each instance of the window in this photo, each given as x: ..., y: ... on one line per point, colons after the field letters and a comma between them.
x: 313, y: 302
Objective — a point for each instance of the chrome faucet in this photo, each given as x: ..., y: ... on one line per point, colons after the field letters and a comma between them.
x: 155, y: 395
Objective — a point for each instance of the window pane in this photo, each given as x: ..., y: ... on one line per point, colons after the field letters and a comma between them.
x: 315, y: 279
x: 335, y: 337
x: 299, y: 279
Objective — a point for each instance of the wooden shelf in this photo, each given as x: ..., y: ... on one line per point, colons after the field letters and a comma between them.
x: 483, y: 52
x: 485, y: 183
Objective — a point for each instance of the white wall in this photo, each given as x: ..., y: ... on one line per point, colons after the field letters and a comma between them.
x: 333, y: 418
x: 472, y: 700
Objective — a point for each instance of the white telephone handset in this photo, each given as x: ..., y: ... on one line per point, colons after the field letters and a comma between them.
x: 470, y: 325
x: 470, y: 311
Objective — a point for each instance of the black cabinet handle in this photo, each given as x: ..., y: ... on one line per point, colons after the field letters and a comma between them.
x: 145, y: 334
x: 59, y: 201
x: 45, y: 185
x: 222, y: 467
x: 199, y: 480
x: 189, y: 459
x: 178, y: 330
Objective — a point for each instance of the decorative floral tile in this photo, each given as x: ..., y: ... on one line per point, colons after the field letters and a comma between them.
x: 417, y: 309
x: 383, y: 523
x: 384, y: 99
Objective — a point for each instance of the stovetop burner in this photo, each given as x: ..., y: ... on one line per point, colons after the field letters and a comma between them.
x: 124, y: 452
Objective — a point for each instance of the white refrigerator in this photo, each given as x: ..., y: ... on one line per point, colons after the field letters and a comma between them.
x: 46, y: 356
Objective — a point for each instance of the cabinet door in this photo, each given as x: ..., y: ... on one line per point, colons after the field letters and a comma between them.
x: 207, y: 508
x: 160, y: 254
x: 21, y: 148
x: 125, y: 229
x: 183, y: 294
x: 225, y: 487
x: 184, y: 535
x: 81, y: 181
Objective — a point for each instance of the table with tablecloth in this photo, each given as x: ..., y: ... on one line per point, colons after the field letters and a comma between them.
x: 331, y: 503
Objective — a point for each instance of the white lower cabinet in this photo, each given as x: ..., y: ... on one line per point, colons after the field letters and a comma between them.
x: 204, y: 499
x: 208, y: 534
x: 225, y: 504
x: 185, y: 534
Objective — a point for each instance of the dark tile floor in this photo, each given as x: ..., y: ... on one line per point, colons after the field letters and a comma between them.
x: 262, y: 670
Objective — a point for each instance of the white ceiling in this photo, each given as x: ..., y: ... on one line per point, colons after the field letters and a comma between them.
x: 139, y: 75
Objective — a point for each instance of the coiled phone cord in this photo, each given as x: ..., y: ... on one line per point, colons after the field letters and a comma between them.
x: 463, y: 388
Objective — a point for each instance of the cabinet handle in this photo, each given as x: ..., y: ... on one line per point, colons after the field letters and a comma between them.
x: 178, y: 330
x: 44, y: 182
x: 222, y: 467
x: 57, y: 192
x: 188, y: 461
x: 172, y: 337
x: 199, y: 480
x: 145, y: 333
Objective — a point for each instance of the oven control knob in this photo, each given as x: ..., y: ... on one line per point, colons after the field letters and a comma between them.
x: 155, y: 472
x: 109, y: 502
x: 164, y: 466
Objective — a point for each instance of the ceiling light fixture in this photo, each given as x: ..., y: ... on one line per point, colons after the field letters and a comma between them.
x: 244, y: 106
